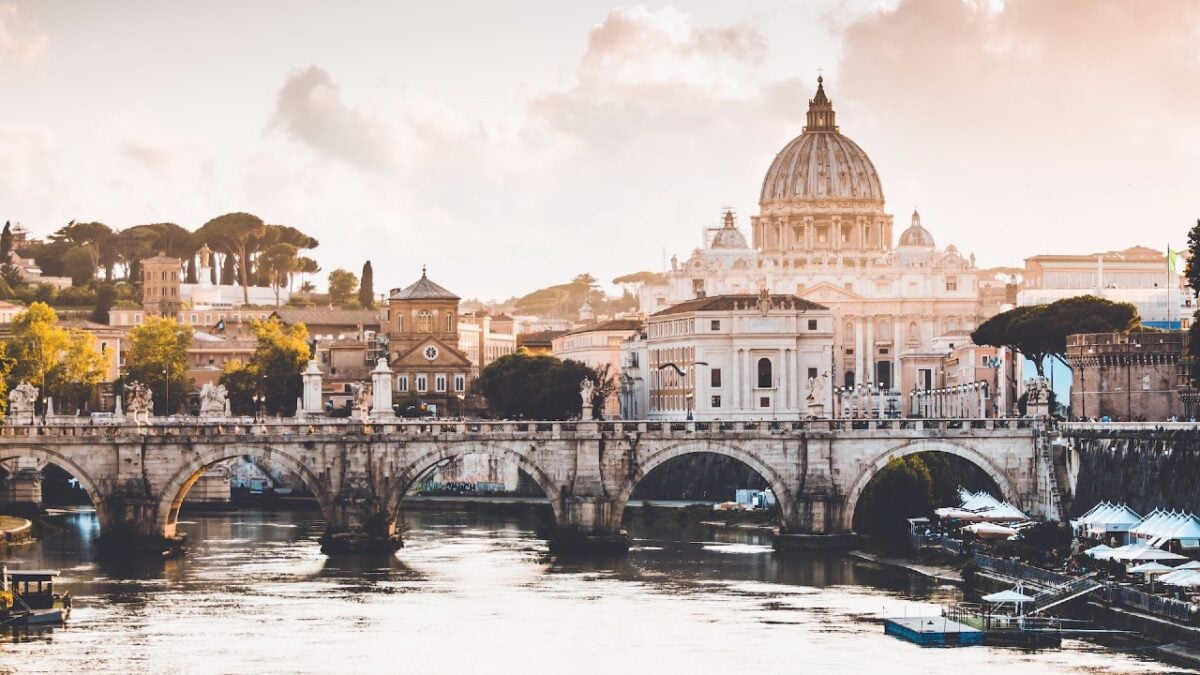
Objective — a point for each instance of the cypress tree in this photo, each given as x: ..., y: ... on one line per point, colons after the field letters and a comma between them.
x: 6, y: 242
x: 366, y: 287
x: 191, y: 271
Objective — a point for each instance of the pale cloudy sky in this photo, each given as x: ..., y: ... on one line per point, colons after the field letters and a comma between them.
x: 512, y: 145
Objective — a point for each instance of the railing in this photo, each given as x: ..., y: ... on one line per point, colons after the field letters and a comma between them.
x: 1128, y: 426
x: 191, y: 427
x: 1017, y: 570
x: 1152, y: 604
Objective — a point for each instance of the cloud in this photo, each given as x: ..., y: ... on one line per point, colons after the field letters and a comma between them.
x: 19, y: 42
x: 656, y: 73
x: 1078, y: 114
x: 309, y: 109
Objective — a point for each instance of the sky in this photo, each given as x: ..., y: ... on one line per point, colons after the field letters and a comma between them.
x: 513, y: 145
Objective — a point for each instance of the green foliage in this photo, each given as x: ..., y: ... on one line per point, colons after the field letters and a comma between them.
x: 65, y: 364
x: 76, y: 296
x: 342, y: 287
x: 273, y: 371
x: 6, y: 366
x: 105, y: 297
x: 1040, y: 331
x: 901, y: 490
x: 638, y: 278
x: 234, y: 235
x: 278, y: 262
x: 523, y: 386
x: 563, y: 300
x: 156, y: 345
x: 1192, y: 271
x: 366, y: 289
x: 6, y: 241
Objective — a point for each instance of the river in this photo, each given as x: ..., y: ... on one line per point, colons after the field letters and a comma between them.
x: 477, y: 592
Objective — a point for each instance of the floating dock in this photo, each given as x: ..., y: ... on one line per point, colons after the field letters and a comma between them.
x: 933, y: 631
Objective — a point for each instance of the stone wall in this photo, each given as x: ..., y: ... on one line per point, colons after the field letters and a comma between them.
x: 1144, y: 469
x: 1126, y: 375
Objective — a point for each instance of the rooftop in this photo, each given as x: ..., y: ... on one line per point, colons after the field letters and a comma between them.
x: 351, y: 318
x: 423, y: 289
x: 725, y: 303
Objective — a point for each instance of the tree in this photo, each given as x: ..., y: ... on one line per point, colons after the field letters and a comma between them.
x: 1192, y: 271
x: 6, y: 240
x: 366, y: 288
x: 106, y: 295
x: 901, y: 490
x: 61, y: 363
x: 342, y: 285
x: 524, y: 386
x: 274, y: 371
x: 6, y: 366
x: 305, y: 267
x: 232, y: 234
x: 158, y: 345
x: 1040, y: 331
x: 77, y: 264
x: 278, y: 262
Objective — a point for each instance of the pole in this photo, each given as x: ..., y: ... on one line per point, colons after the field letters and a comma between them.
x: 166, y: 393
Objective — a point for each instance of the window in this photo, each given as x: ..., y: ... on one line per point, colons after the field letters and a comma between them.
x: 399, y: 323
x: 715, y: 325
x: 194, y: 318
x: 983, y: 361
x: 764, y: 373
x: 422, y: 384
x: 951, y: 283
x: 424, y: 321
x: 207, y: 319
x: 439, y: 383
x: 460, y: 383
x: 812, y: 372
x: 715, y: 377
x: 812, y: 324
x: 764, y: 402
x: 716, y: 401
x: 883, y: 351
x: 402, y: 383
x: 137, y: 319
x: 449, y: 322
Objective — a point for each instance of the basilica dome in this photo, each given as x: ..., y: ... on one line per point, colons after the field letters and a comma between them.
x: 821, y: 164
x: 916, y: 235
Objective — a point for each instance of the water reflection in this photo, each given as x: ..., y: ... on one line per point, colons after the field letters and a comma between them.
x: 478, y: 592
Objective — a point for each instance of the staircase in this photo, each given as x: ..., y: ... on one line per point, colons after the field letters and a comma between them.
x: 1057, y: 595
x: 1058, y: 509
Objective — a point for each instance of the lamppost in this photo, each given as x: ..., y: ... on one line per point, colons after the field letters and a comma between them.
x: 166, y: 393
x: 683, y: 374
x: 259, y: 400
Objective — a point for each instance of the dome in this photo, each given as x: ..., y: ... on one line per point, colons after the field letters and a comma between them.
x: 728, y: 236
x: 821, y: 163
x: 916, y: 235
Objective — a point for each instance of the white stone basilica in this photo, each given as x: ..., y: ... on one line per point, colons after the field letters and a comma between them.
x: 822, y: 234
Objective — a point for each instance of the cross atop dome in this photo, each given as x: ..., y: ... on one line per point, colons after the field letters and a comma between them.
x: 820, y: 110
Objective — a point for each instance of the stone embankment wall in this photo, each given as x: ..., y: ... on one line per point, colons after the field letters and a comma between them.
x: 1146, y: 469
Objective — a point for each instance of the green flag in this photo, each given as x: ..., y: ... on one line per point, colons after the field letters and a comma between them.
x: 1172, y: 260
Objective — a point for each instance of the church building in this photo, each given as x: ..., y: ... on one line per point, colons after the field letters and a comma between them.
x: 823, y: 234
x: 421, y: 325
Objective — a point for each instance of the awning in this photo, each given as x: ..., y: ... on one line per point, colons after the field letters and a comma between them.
x: 1150, y: 568
x: 1008, y: 596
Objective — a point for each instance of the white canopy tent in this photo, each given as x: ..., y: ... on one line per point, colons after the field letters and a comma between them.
x: 1105, y: 519
x: 1098, y: 551
x: 1004, y: 597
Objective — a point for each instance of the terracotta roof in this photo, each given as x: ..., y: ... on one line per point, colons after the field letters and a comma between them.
x: 615, y: 324
x: 351, y: 318
x: 423, y: 289
x: 725, y: 303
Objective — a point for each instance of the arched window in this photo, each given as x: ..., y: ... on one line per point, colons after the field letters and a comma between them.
x: 449, y: 322
x: 764, y: 374
x: 424, y: 322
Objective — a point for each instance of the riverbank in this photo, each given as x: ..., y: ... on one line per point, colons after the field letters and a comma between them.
x: 940, y: 571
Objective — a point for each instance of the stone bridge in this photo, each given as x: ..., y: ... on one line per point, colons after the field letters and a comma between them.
x: 138, y: 475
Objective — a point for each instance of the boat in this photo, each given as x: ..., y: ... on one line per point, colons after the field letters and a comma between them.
x: 933, y: 631
x: 27, y: 598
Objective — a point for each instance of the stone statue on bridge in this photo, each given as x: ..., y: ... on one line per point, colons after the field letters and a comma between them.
x: 816, y: 396
x: 586, y: 392
x: 140, y: 401
x: 213, y: 400
x: 1037, y: 397
x: 21, y: 403
x: 362, y: 398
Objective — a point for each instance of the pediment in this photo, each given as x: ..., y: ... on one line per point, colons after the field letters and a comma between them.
x: 447, y: 356
x: 824, y: 293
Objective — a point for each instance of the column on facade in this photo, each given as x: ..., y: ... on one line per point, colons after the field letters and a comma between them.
x: 735, y: 382
x: 858, y: 351
x: 782, y: 392
x: 981, y: 392
x: 896, y: 383
x: 869, y: 356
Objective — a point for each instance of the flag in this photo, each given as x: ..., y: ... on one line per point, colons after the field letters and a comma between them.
x: 1172, y: 260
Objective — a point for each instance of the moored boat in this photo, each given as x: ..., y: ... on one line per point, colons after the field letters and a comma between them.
x: 27, y: 598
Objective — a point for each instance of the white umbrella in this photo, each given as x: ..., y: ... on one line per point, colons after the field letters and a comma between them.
x: 1182, y: 578
x: 1095, y: 551
x: 1189, y: 565
x: 1008, y: 596
x: 990, y: 531
x: 1150, y: 568
x: 1152, y: 554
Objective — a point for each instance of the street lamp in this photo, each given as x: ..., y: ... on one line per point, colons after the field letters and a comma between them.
x: 166, y: 392
x: 680, y: 372
x: 259, y: 400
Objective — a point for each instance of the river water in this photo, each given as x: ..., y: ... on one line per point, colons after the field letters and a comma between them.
x: 477, y: 592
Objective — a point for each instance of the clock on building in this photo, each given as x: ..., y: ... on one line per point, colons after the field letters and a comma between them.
x: 431, y: 352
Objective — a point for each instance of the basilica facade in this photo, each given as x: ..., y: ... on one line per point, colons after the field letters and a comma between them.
x: 823, y: 234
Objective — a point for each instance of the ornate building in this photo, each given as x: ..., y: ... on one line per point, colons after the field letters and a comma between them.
x: 822, y: 234
x: 421, y: 324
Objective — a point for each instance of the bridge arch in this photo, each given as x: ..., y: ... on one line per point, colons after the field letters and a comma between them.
x: 171, y: 497
x: 46, y: 455
x: 784, y: 493
x: 916, y: 446
x: 414, y: 470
